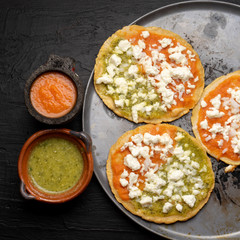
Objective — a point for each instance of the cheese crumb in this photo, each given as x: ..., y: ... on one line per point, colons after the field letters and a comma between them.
x: 167, y: 207
x: 134, y: 192
x: 123, y: 182
x: 165, y: 42
x: 204, y: 124
x: 189, y: 200
x: 179, y: 207
x: 106, y: 79
x: 124, y: 45
x: 124, y: 173
x: 203, y: 104
x: 132, y: 162
x: 146, y: 201
x: 145, y: 34
x: 115, y: 60
x: 214, y: 113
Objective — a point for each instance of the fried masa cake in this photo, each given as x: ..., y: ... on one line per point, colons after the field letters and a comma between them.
x: 148, y: 74
x: 160, y: 173
x: 216, y: 118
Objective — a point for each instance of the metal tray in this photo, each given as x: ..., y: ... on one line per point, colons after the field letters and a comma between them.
x: 213, y: 29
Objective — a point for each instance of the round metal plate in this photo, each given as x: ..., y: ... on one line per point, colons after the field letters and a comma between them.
x: 213, y: 29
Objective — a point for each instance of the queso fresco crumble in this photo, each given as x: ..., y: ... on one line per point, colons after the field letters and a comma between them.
x: 148, y: 79
x: 175, y: 185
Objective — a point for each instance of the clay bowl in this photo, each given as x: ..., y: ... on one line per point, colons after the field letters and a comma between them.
x: 63, y: 66
x: 31, y: 191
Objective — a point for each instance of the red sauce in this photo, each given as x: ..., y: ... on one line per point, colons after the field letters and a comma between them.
x: 189, y: 99
x: 212, y: 144
x: 118, y: 161
x: 53, y: 94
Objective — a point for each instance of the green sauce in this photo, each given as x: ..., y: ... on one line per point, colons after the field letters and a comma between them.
x: 127, y: 110
x: 55, y: 165
x: 208, y: 180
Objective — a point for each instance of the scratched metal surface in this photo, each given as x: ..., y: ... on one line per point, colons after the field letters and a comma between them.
x: 213, y: 28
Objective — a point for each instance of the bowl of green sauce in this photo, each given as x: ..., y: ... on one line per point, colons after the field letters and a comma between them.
x: 55, y: 165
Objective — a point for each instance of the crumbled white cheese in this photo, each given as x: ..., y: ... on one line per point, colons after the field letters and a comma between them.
x: 216, y: 102
x: 165, y: 42
x: 141, y: 44
x: 133, y: 69
x: 179, y: 58
x: 119, y: 103
x: 235, y: 143
x: 106, y: 79
x: 138, y: 138
x: 134, y: 192
x: 111, y: 70
x: 168, y: 191
x: 214, y: 113
x: 146, y: 201
x: 133, y: 178
x: 132, y: 162
x: 235, y: 94
x: 220, y: 143
x: 156, y: 198
x: 195, y: 192
x: 141, y: 80
x: 178, y: 48
x: 167, y: 207
x: 136, y: 51
x: 203, y: 104
x: 208, y: 138
x: 135, y: 109
x: 153, y: 182
x: 144, y: 152
x: 175, y: 175
x: 195, y: 164
x: 224, y: 150
x: 124, y: 45
x: 115, y: 60
x: 182, y: 73
x: 149, y: 138
x: 191, y: 55
x: 181, y: 89
x: 204, y: 124
x: 145, y: 34
x: 123, y: 182
x: 152, y: 95
x: 124, y: 174
x: 179, y: 207
x: 155, y: 55
x: 196, y: 79
x: 189, y: 200
x: 179, y: 136
x: 135, y: 150
x: 121, y: 84
x: 190, y: 85
x: 151, y: 70
x: 215, y: 129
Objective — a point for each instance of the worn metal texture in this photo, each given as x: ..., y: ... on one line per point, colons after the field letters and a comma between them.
x: 213, y: 29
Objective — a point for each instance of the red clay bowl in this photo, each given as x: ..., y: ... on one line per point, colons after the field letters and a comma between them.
x: 31, y: 191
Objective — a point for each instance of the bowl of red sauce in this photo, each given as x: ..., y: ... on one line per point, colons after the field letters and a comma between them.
x: 55, y: 165
x: 54, y: 93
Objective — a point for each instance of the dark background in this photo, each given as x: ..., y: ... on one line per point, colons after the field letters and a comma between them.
x: 29, y: 32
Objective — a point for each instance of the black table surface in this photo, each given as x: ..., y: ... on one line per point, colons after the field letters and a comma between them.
x: 29, y: 32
